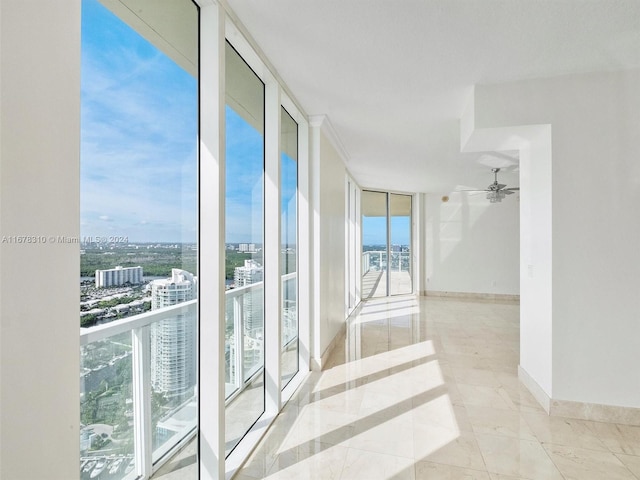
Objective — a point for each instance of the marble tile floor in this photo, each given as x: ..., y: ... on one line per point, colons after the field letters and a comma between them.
x: 240, y: 415
x: 427, y: 388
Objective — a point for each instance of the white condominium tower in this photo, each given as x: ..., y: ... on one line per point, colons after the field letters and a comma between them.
x: 251, y: 272
x: 173, y: 341
x: 118, y: 276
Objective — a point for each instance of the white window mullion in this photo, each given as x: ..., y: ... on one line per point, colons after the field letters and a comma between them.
x: 358, y: 244
x: 388, y: 267
x: 417, y: 244
x: 272, y: 249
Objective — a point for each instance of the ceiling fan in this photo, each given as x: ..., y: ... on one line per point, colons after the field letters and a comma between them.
x: 496, y: 191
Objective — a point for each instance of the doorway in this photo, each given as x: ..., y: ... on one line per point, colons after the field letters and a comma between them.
x: 386, y: 244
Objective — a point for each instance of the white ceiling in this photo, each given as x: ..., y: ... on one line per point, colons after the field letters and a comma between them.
x: 393, y: 77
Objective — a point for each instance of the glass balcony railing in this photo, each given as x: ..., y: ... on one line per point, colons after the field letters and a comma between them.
x: 376, y: 260
x: 138, y: 393
x: 244, y: 333
x: 290, y: 348
x: 107, y: 413
x: 244, y: 339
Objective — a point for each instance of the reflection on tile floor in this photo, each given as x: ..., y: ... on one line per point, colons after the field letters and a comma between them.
x: 374, y: 283
x: 427, y: 388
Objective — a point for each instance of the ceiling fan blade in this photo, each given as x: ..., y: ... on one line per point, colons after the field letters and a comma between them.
x: 512, y: 189
x: 500, y: 186
x: 507, y: 192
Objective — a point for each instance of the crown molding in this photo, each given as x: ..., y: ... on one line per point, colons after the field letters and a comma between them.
x: 325, y: 125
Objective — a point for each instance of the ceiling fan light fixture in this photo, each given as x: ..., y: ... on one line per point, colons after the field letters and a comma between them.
x: 496, y: 191
x: 495, y: 196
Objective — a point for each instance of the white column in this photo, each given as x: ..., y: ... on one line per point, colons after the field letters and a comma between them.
x: 358, y: 241
x: 314, y: 188
x: 304, y: 248
x: 39, y: 197
x: 417, y: 259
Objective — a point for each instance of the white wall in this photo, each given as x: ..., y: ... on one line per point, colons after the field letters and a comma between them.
x: 534, y: 145
x: 328, y: 185
x: 595, y: 189
x: 472, y: 246
x: 39, y: 195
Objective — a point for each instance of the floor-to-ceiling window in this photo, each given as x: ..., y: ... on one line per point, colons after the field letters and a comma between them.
x: 266, y: 233
x: 244, y: 238
x: 140, y: 165
x: 374, y: 244
x: 289, y: 246
x: 386, y: 244
x: 138, y: 278
x: 400, y: 275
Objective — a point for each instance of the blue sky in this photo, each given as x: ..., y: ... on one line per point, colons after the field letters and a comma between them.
x: 374, y: 230
x: 139, y: 144
x: 138, y: 136
x: 245, y: 184
x: 288, y: 200
x: 245, y: 179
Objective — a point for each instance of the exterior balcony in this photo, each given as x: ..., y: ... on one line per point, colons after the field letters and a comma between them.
x: 374, y: 270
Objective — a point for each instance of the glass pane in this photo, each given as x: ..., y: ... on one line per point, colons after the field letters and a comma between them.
x: 232, y: 346
x: 106, y: 409
x: 400, y: 249
x: 139, y: 130
x: 244, y: 317
x: 173, y: 363
x: 374, y: 244
x: 289, y: 246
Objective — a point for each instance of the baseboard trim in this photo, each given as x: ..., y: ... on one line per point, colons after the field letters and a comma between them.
x: 473, y: 296
x: 536, y: 390
x: 595, y: 412
x: 579, y: 410
x: 318, y: 364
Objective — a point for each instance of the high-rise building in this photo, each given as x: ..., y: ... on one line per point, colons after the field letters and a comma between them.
x: 251, y: 272
x: 118, y: 276
x: 173, y: 341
